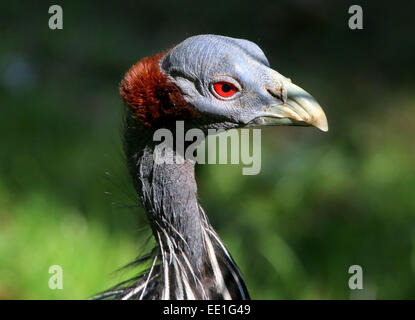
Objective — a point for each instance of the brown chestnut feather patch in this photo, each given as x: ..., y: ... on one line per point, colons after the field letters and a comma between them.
x: 154, y: 100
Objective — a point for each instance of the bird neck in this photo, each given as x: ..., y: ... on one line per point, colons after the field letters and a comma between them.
x: 168, y: 192
x: 169, y: 195
x: 188, y: 246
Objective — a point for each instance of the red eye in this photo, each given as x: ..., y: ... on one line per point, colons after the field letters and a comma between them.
x: 225, y: 89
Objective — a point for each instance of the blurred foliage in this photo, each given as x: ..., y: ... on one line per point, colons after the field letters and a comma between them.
x: 321, y: 203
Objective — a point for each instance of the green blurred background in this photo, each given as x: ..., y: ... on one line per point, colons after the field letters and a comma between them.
x: 321, y: 203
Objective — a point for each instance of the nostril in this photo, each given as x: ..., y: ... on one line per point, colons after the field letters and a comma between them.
x: 277, y: 92
x: 273, y: 93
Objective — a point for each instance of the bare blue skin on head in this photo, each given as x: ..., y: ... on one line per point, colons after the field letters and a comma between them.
x: 264, y: 96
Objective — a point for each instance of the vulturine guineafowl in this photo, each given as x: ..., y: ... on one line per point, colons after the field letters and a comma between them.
x: 206, y: 81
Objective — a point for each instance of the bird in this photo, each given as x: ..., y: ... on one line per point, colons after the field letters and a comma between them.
x: 208, y: 82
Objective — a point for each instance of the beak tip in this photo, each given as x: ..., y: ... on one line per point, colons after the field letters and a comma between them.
x: 321, y: 124
x: 324, y: 128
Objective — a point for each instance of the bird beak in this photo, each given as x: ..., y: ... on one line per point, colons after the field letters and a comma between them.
x: 299, y: 109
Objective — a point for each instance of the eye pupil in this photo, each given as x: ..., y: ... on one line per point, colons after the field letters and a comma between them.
x: 226, y: 87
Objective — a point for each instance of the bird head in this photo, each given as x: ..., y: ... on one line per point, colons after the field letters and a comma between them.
x: 214, y: 79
